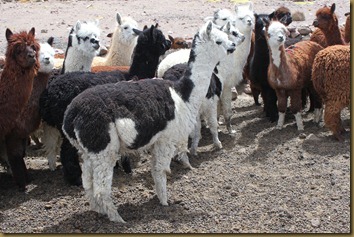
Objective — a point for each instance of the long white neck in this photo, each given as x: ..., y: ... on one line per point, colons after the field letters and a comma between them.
x: 275, y: 55
x: 77, y: 60
x: 120, y: 52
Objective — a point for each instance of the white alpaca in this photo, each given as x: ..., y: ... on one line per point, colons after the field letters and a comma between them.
x: 230, y: 72
x: 154, y: 115
x: 123, y: 42
x: 83, y: 45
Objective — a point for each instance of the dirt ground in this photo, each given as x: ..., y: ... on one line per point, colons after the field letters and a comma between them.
x: 264, y: 180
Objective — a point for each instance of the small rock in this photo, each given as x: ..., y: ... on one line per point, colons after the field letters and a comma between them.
x: 346, y: 156
x: 312, y: 137
x: 44, y: 31
x: 302, y: 136
x: 333, y: 198
x: 47, y: 207
x: 228, y: 187
x: 233, y: 194
x: 304, y: 30
x: 298, y: 16
x: 77, y: 231
x: 315, y: 222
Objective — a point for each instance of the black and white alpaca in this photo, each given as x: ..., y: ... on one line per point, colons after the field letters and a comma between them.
x: 60, y: 92
x: 83, y: 45
x: 156, y: 115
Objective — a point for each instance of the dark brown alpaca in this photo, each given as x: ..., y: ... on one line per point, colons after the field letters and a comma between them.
x: 16, y: 84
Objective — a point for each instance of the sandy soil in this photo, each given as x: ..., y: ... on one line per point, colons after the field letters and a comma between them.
x: 264, y: 180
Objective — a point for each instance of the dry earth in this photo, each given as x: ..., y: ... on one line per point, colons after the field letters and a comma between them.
x: 263, y: 181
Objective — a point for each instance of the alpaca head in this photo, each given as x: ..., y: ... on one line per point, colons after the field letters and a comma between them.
x: 234, y: 34
x: 178, y: 43
x: 276, y: 34
x: 244, y: 19
x: 125, y: 29
x: 46, y: 56
x: 282, y: 14
x: 326, y: 18
x: 22, y: 49
x: 221, y: 17
x: 153, y: 40
x: 85, y: 37
x: 214, y: 41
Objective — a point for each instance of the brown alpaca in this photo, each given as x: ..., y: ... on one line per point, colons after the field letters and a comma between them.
x: 178, y: 43
x: 16, y: 84
x: 331, y: 79
x: 327, y: 23
x: 289, y: 70
x: 123, y: 69
x: 280, y: 13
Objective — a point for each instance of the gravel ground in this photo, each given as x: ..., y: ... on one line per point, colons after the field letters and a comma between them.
x: 262, y: 181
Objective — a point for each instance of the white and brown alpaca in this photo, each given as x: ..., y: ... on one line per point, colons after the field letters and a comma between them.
x: 290, y: 70
x: 123, y: 42
x: 154, y: 115
x: 83, y: 45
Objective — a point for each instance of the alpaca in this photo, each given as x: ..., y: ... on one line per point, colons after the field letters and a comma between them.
x: 327, y: 21
x: 331, y: 79
x: 177, y: 43
x: 83, y: 45
x: 289, y: 70
x: 29, y: 119
x: 124, y: 40
x: 145, y: 63
x: 16, y: 82
x: 259, y: 62
x: 153, y: 115
x: 244, y: 22
x: 60, y: 92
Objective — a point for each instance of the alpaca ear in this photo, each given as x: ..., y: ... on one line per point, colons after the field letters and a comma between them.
x: 8, y: 34
x: 145, y: 27
x: 209, y: 28
x: 333, y: 8
x: 266, y: 22
x: 171, y: 38
x: 50, y: 41
x: 236, y: 8
x: 228, y: 26
x: 271, y: 15
x: 32, y: 31
x: 78, y: 26
x: 251, y: 6
x: 156, y: 25
x: 118, y: 18
x: 136, y: 31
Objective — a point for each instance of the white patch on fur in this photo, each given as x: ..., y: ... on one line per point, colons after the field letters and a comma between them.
x: 299, y: 123
x: 277, y: 33
x: 180, y: 56
x: 281, y: 120
x: 317, y: 115
x: 52, y: 141
x: 126, y: 130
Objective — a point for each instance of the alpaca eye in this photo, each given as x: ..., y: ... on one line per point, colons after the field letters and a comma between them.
x: 241, y: 18
x: 125, y: 28
x: 224, y: 19
x: 218, y: 42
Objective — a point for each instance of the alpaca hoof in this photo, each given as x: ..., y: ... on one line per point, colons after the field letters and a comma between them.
x: 218, y: 145
x: 164, y: 203
x: 125, y: 162
x: 279, y: 127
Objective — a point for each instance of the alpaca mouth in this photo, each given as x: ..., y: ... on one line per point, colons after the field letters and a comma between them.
x: 229, y: 51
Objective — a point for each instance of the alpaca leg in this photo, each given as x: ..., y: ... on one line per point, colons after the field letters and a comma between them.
x: 160, y: 165
x: 103, y: 166
x: 51, y: 144
x: 211, y: 114
x: 317, y: 115
x: 16, y: 149
x: 70, y: 160
x: 299, y: 123
x: 196, y: 136
x: 333, y: 120
x: 226, y: 109
x: 272, y: 109
x: 182, y: 156
x: 282, y: 104
x: 281, y: 120
x: 87, y: 182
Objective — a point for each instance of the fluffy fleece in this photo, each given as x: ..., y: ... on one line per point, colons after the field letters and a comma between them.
x: 331, y: 79
x: 16, y: 83
x: 60, y: 92
x: 156, y: 115
x: 289, y: 70
x: 83, y: 45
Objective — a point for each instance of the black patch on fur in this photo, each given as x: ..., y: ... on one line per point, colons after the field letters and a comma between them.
x: 70, y: 44
x: 215, y: 87
x: 93, y: 110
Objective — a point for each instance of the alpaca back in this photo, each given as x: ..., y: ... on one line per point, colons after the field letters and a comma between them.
x: 83, y: 43
x: 124, y: 40
x: 16, y: 80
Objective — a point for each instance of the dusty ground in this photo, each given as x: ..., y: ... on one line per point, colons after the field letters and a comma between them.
x: 262, y: 181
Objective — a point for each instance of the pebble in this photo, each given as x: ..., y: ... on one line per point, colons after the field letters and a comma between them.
x: 315, y: 222
x: 302, y: 136
x: 312, y: 137
x: 47, y: 207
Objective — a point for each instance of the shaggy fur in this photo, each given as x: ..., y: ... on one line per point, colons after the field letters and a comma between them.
x: 16, y: 82
x: 29, y: 119
x: 83, y: 45
x: 151, y: 44
x: 156, y: 115
x: 289, y: 70
x: 331, y: 79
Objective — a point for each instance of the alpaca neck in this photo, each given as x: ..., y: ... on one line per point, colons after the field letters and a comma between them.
x: 77, y: 60
x: 333, y: 36
x: 39, y: 85
x: 143, y: 65
x: 120, y: 52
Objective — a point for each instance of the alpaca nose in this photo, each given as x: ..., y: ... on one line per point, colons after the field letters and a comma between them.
x: 31, y: 54
x: 249, y: 22
x: 280, y: 38
x: 315, y: 23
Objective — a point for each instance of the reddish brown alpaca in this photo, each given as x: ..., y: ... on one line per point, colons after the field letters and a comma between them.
x: 327, y: 22
x: 16, y: 84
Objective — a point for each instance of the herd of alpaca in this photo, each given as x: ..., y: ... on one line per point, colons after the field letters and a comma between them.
x: 150, y: 93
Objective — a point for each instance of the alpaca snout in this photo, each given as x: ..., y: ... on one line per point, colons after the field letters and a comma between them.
x: 95, y: 43
x: 231, y: 49
x: 315, y: 23
x: 168, y: 44
x: 281, y: 38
